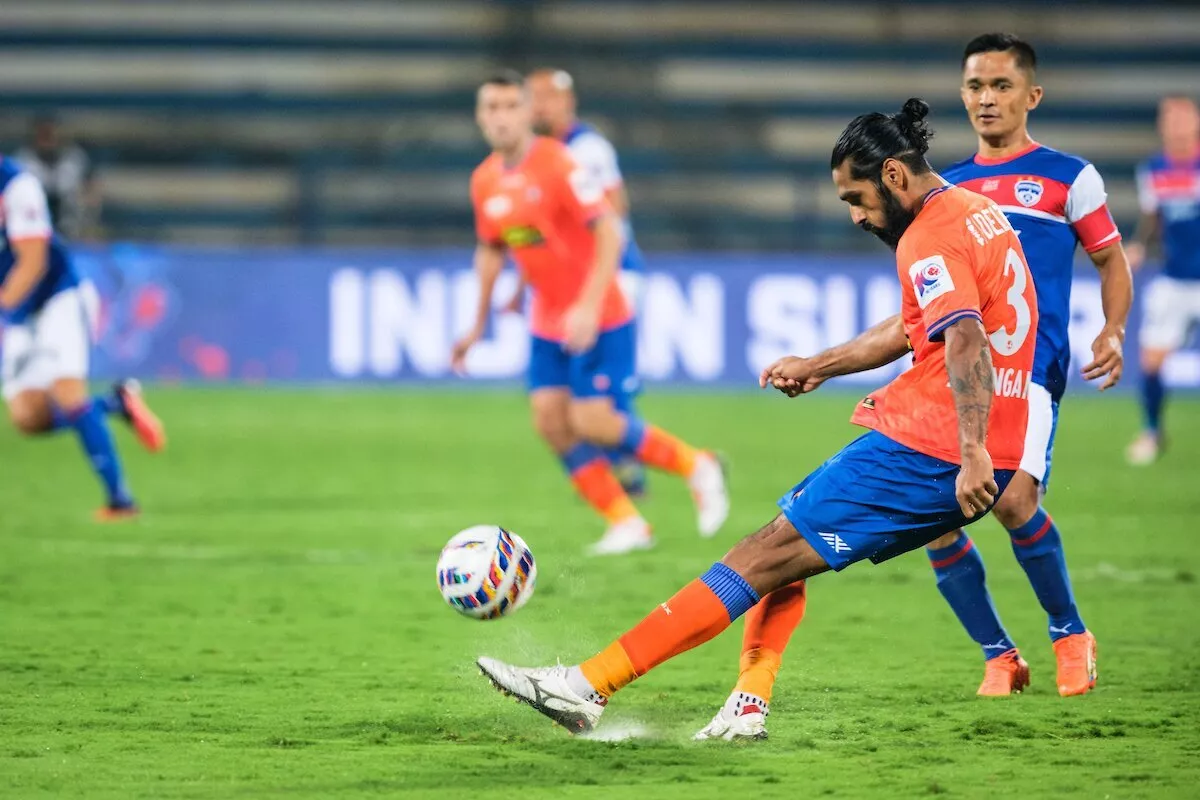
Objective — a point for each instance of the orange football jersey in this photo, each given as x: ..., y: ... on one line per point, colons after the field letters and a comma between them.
x: 960, y: 258
x: 542, y: 211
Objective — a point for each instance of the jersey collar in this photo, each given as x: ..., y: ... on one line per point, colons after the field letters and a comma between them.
x: 983, y: 161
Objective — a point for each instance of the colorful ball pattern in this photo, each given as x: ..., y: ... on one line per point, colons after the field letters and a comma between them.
x: 485, y: 572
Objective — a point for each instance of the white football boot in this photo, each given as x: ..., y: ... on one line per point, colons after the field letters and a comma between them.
x: 743, y: 717
x: 547, y: 690
x: 707, y: 483
x: 1144, y: 450
x: 623, y: 537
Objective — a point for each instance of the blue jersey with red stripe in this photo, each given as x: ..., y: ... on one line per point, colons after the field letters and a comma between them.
x: 24, y: 215
x: 1055, y: 201
x: 1170, y: 190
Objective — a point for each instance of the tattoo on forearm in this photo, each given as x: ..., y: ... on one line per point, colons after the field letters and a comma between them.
x: 973, y: 384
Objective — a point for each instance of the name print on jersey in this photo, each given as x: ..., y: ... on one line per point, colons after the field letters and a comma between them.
x: 987, y: 223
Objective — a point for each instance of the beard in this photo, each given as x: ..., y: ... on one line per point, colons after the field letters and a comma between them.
x: 542, y: 128
x: 896, y: 219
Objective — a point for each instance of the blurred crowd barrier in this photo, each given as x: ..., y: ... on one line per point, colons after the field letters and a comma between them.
x: 305, y: 315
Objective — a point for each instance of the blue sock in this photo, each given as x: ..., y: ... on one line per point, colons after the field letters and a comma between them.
x: 580, y: 455
x: 1153, y: 395
x: 962, y: 580
x: 1038, y: 549
x: 107, y: 403
x: 731, y: 589
x: 92, y: 428
x: 635, y: 433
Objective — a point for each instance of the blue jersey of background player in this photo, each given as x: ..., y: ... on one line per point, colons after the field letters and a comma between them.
x: 552, y: 92
x: 1055, y: 202
x: 1169, y: 195
x: 47, y: 341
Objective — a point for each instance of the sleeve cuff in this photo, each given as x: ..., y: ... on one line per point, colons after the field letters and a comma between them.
x: 935, y: 331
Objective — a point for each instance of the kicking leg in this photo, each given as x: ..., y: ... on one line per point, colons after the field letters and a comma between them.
x: 575, y: 696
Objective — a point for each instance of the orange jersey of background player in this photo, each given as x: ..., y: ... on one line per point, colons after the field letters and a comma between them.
x: 960, y: 258
x: 542, y: 211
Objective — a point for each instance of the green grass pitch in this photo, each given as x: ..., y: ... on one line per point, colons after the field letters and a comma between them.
x: 271, y: 626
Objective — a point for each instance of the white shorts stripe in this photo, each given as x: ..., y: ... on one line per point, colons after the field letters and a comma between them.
x: 1036, y: 457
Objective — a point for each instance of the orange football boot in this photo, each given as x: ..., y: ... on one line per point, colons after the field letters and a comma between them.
x: 117, y: 513
x: 147, y: 426
x: 1004, y: 675
x: 1076, y: 656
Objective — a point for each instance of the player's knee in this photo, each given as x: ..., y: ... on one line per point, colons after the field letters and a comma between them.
x: 596, y: 421
x: 553, y: 427
x: 1015, y: 508
x: 948, y: 540
x: 1152, y: 361
x: 26, y: 417
x: 774, y: 556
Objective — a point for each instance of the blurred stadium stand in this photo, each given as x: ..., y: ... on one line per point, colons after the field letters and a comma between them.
x: 277, y: 121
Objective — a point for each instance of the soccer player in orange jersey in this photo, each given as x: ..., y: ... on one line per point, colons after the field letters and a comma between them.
x: 945, y: 437
x: 533, y: 202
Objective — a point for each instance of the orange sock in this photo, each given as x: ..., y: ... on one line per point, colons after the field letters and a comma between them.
x: 690, y: 618
x: 597, y: 485
x: 661, y: 450
x: 769, y: 627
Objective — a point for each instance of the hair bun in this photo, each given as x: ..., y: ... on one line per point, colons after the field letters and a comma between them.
x: 911, y: 122
x: 915, y: 109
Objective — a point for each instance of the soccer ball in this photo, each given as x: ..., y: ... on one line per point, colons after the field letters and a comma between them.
x: 486, y: 572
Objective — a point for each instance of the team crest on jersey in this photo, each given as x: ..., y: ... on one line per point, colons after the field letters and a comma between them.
x: 930, y: 279
x: 497, y: 206
x: 1028, y: 192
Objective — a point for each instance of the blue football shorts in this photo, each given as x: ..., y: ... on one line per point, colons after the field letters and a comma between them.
x: 609, y: 369
x: 876, y: 499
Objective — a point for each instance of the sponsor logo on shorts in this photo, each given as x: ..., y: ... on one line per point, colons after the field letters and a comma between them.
x: 836, y: 542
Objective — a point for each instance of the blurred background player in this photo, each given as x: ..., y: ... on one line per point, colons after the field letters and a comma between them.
x: 1055, y: 202
x: 532, y: 200
x: 1169, y: 196
x: 945, y: 438
x: 47, y: 339
x: 552, y: 92
x: 66, y: 174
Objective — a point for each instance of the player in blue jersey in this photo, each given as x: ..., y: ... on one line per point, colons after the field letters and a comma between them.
x: 552, y: 92
x: 47, y: 338
x: 1169, y: 194
x: 1056, y: 202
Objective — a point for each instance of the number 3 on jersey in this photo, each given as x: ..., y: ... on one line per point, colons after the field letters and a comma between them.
x: 1004, y: 341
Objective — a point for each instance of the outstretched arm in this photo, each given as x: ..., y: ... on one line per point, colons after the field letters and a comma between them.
x: 879, y: 345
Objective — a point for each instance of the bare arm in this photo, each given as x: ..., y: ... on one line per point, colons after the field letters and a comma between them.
x: 489, y: 263
x: 605, y: 264
x: 881, y: 344
x: 1116, y: 292
x: 1144, y: 238
x: 618, y: 198
x: 878, y: 345
x: 582, y: 321
x: 29, y: 267
x: 972, y: 382
x: 969, y: 365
